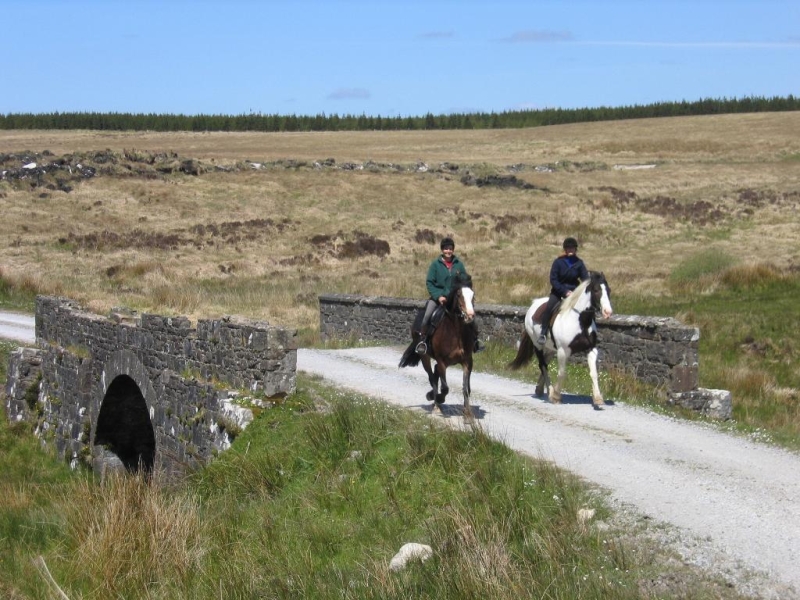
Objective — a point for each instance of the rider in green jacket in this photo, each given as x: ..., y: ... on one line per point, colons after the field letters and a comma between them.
x: 443, y: 272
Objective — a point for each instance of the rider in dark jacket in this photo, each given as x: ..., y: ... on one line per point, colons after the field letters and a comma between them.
x: 566, y: 273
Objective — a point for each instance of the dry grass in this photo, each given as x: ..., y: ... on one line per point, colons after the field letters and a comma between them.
x: 161, y: 546
x: 264, y: 243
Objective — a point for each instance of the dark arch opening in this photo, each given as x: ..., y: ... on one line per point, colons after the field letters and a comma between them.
x: 124, y: 427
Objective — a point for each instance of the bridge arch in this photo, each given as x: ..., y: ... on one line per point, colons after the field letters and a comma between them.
x: 123, y: 417
x: 169, y: 387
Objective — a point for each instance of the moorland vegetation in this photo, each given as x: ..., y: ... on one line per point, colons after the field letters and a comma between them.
x: 690, y: 217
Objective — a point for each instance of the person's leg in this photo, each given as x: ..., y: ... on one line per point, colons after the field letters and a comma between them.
x: 548, y: 310
x: 422, y: 346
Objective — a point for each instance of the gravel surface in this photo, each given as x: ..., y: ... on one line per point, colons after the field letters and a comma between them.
x: 727, y: 504
x: 18, y: 327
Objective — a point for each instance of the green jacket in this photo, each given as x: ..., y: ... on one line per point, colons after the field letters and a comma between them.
x: 440, y: 280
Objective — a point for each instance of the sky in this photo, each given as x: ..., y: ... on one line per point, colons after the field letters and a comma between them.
x: 390, y: 58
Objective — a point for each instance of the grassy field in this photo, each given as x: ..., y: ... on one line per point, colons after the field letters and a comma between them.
x: 695, y: 218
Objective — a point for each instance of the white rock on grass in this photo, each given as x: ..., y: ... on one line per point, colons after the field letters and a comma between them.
x: 408, y: 552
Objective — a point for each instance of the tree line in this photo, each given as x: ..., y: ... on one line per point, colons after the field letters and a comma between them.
x: 334, y: 122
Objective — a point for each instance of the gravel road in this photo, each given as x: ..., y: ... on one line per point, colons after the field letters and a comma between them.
x: 729, y: 504
x: 17, y: 327
x: 732, y: 504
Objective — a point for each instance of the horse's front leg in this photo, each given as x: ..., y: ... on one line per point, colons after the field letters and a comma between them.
x: 555, y: 390
x: 543, y: 385
x: 466, y: 373
x: 433, y: 379
x: 597, y: 397
x: 444, y: 389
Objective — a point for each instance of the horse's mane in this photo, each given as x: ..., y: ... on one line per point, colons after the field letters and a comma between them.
x: 570, y: 301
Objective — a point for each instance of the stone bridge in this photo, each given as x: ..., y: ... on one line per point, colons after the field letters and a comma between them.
x: 144, y: 391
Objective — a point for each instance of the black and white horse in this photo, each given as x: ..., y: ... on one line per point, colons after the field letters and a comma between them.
x: 573, y: 330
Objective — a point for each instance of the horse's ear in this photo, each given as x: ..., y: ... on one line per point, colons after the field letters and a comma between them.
x: 465, y: 279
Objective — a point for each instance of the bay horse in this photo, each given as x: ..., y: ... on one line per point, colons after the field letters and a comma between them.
x: 573, y: 330
x: 452, y: 343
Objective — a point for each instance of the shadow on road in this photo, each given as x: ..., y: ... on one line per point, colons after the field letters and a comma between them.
x: 567, y: 399
x: 454, y: 410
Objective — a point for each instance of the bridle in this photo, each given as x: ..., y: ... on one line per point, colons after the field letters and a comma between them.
x: 457, y: 305
x: 596, y: 288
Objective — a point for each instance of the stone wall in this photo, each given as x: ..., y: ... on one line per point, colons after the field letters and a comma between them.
x: 658, y: 350
x: 146, y: 387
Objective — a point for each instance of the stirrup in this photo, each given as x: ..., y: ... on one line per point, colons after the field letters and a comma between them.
x: 422, y: 348
x: 542, y: 339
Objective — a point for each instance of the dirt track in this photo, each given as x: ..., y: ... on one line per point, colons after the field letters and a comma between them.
x: 734, y: 502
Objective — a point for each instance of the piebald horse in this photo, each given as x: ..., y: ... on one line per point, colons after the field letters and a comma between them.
x: 452, y: 343
x: 573, y: 330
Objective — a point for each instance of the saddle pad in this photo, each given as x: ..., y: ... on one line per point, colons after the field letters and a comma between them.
x: 537, y: 315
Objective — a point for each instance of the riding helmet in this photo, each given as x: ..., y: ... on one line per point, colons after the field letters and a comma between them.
x: 570, y: 242
x: 448, y: 241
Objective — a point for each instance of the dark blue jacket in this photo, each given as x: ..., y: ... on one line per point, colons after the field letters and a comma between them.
x: 566, y: 273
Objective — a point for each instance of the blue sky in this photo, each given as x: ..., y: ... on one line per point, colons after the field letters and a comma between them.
x: 390, y: 58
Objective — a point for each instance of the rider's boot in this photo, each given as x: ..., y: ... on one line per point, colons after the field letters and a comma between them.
x: 422, y: 346
x: 478, y: 346
x: 542, y: 337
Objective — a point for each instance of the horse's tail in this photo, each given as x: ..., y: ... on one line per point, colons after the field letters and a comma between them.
x: 524, y: 352
x: 410, y: 357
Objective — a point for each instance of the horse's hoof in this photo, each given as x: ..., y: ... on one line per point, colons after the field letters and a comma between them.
x: 598, y: 406
x: 429, y: 396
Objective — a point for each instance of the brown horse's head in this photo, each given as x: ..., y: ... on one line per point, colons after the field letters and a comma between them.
x: 460, y: 301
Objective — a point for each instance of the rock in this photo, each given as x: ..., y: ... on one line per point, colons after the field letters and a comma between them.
x: 410, y: 551
x: 716, y: 404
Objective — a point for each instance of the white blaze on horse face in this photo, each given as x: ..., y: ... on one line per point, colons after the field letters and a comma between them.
x: 605, y: 303
x: 468, y: 294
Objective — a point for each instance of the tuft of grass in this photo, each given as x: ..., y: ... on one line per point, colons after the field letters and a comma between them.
x: 700, y: 271
x: 17, y: 293
x: 752, y: 277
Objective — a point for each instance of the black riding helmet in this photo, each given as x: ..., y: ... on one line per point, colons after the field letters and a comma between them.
x: 570, y: 242
x: 448, y: 241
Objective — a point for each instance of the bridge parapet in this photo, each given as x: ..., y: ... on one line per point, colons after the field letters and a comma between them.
x: 149, y: 388
x: 658, y: 350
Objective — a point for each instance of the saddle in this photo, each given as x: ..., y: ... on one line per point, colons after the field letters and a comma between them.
x: 537, y: 316
x: 437, y: 316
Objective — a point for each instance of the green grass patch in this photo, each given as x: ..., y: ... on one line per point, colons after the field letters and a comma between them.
x: 699, y: 271
x: 312, y: 501
x: 747, y: 344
